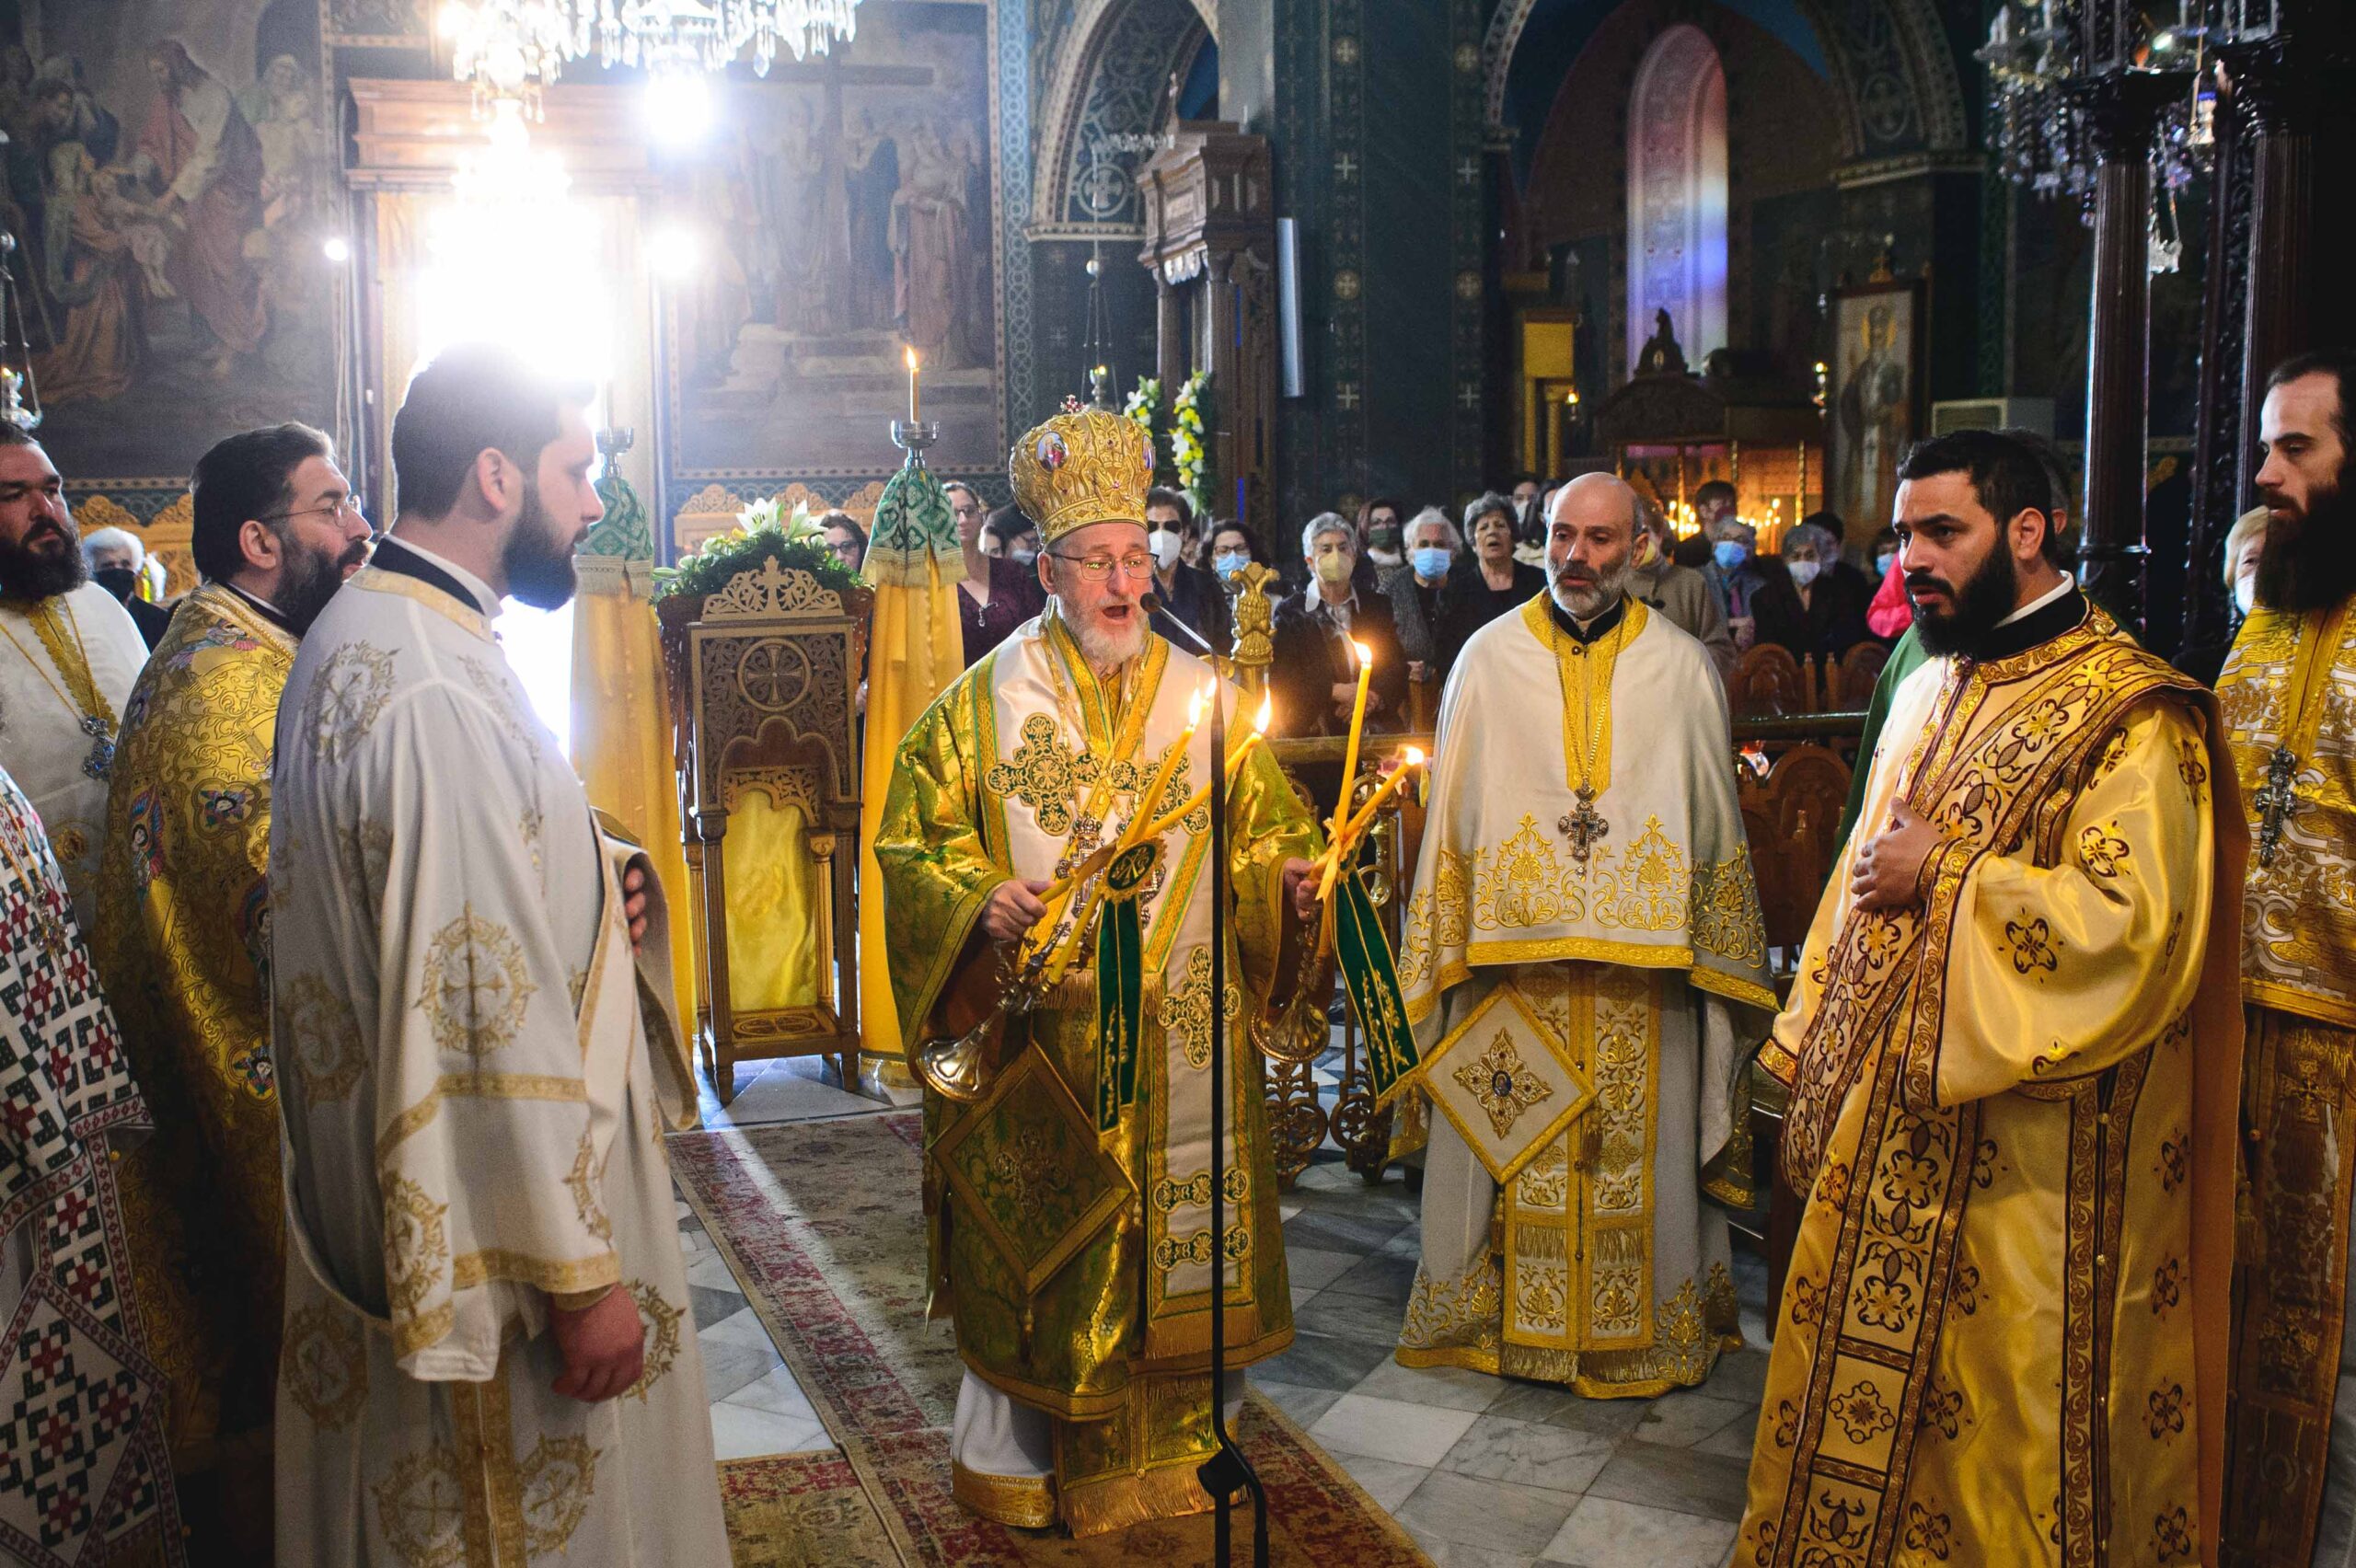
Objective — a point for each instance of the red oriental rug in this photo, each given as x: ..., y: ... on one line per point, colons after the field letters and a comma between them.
x: 819, y: 1223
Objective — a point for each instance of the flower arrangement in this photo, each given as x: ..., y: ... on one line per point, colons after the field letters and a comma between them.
x: 763, y: 529
x: 1187, y: 453
x: 1144, y: 405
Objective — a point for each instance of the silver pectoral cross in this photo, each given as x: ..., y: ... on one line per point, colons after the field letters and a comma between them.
x: 1583, y: 825
x: 100, y: 764
x: 2275, y: 801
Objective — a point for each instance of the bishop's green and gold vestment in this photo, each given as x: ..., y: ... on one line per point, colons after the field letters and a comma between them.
x: 1077, y: 1265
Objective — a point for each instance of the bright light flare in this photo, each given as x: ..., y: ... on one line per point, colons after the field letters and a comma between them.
x: 1412, y: 757
x: 1265, y: 717
x: 674, y: 253
x: 1366, y: 654
x: 1196, y: 705
x: 678, y: 105
x: 337, y: 249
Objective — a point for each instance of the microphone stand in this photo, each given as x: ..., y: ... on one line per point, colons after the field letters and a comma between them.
x: 1226, y: 1468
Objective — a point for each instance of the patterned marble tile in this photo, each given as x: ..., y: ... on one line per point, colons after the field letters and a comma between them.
x: 1365, y: 1318
x: 1678, y: 1480
x: 1447, y: 1388
x: 711, y: 1307
x: 1322, y: 1361
x: 776, y: 1392
x: 1383, y: 1276
x: 1340, y: 1232
x: 1388, y: 1429
x: 1558, y: 1406
x: 1683, y: 1419
x: 736, y: 1351
x: 710, y: 1270
x: 1602, y: 1533
x: 1489, y: 1515
x: 1389, y: 1482
x: 1315, y: 1267
x: 1742, y: 1375
x: 1304, y: 1404
x: 1529, y: 1453
x: 741, y: 1432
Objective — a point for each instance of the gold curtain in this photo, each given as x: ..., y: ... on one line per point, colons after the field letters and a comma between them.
x: 773, y: 889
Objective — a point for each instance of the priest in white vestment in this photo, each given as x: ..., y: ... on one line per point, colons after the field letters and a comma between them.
x: 488, y: 1355
x: 1584, y: 969
x: 69, y: 656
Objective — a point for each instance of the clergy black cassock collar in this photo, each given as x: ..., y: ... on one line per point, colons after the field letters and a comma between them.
x: 2041, y: 625
x: 265, y: 609
x: 392, y: 555
x: 1600, y: 627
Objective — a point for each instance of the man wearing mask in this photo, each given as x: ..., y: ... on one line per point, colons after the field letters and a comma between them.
x: 1381, y: 536
x: 1189, y: 593
x: 1679, y: 593
x: 1315, y: 675
x: 117, y: 560
x: 1732, y: 576
x: 1418, y: 594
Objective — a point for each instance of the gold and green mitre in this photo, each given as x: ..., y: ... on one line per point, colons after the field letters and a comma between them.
x: 1084, y: 465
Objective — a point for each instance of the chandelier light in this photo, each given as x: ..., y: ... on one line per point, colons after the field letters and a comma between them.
x: 514, y: 49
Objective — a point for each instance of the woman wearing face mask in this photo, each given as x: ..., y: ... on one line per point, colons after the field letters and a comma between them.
x: 1382, y: 536
x: 1816, y: 603
x: 116, y: 559
x: 1189, y: 593
x: 1417, y: 590
x: 1232, y: 548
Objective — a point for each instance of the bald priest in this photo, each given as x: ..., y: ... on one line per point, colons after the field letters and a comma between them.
x: 1584, y: 969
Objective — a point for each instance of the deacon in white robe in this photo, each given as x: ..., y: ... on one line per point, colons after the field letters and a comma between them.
x: 69, y: 656
x: 475, y: 1086
x: 1584, y: 967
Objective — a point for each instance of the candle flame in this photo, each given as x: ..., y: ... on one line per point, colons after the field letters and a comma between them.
x: 908, y: 356
x: 1366, y: 654
x: 1194, y: 707
x: 1265, y: 717
x: 1415, y: 757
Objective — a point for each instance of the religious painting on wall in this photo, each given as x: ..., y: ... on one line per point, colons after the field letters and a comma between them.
x: 1872, y: 396
x: 845, y: 204
x: 170, y: 184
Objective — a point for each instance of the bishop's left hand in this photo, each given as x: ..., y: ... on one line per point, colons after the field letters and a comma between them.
x: 1300, y: 887
x: 1889, y: 867
x: 634, y: 900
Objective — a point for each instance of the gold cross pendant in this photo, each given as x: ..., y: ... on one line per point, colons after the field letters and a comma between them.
x: 1583, y: 825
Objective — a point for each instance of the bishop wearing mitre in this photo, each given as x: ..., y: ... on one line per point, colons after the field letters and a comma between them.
x: 1068, y: 1176
x: 1584, y: 967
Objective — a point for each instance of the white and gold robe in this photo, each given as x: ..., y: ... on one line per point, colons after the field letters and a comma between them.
x: 1582, y: 1024
x: 42, y: 744
x: 475, y: 1103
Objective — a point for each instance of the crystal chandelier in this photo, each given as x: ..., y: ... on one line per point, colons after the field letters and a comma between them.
x: 513, y: 49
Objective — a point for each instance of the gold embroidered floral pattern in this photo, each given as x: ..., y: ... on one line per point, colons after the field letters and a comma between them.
x: 322, y: 1038
x: 2172, y: 1534
x: 1928, y: 1532
x: 1862, y: 1413
x: 499, y: 699
x: 1726, y: 920
x: 2032, y: 945
x: 325, y: 1366
x: 2164, y: 1411
x: 1462, y: 1312
x: 557, y: 1477
x: 2101, y: 850
x: 345, y: 698
x: 661, y: 1321
x: 1027, y: 1177
x: 1502, y: 1084
x: 1043, y: 775
x: 415, y: 1248
x: 1186, y: 1011
x: 421, y: 1510
x: 1942, y: 1409
x: 582, y: 1183
x: 475, y: 987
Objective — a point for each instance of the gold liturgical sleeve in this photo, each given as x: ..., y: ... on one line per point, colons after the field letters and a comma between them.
x: 2057, y: 970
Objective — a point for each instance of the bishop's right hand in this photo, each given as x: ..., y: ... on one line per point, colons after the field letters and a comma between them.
x: 1011, y: 909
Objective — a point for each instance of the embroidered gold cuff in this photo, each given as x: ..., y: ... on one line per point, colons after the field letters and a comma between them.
x: 1025, y: 1502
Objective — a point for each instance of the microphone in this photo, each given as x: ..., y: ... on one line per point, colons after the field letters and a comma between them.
x: 1155, y: 605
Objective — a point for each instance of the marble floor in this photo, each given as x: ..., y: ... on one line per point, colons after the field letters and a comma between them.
x: 1484, y: 1472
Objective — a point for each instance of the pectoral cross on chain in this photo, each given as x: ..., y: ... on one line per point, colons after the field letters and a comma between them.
x: 1583, y: 825
x: 2275, y: 801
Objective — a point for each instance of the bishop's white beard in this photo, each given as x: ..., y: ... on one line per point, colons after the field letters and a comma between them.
x: 1104, y: 648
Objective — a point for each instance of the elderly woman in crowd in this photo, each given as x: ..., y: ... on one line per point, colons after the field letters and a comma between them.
x: 1419, y: 590
x: 1817, y: 603
x: 1488, y: 583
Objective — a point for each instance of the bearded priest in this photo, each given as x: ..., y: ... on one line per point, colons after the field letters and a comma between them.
x: 1584, y: 969
x: 1068, y: 1190
x: 2012, y: 1049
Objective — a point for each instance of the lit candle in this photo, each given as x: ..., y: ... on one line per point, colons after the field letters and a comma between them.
x: 1139, y: 820
x: 1358, y: 729
x: 1410, y: 759
x: 1202, y: 796
x: 910, y: 356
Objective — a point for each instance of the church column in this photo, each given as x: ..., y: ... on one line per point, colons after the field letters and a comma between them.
x: 2121, y: 108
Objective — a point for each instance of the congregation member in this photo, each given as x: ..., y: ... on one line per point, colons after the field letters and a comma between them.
x: 85, y: 1472
x: 998, y: 594
x: 1315, y: 677
x: 2011, y: 1053
x: 1231, y: 547
x: 845, y: 540
x: 118, y: 563
x: 1381, y: 538
x: 1678, y: 593
x: 1085, y: 1396
x: 71, y: 655
x: 484, y: 1278
x: 1815, y: 605
x: 183, y: 935
x: 1582, y: 1020
x: 2291, y: 1463
x: 1489, y: 582
x: 1417, y: 590
x: 1011, y: 534
x: 1189, y: 593
x: 1734, y: 576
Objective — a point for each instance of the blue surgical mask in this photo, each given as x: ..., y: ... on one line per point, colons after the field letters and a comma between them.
x: 1729, y: 554
x: 1430, y: 560
x: 1883, y: 563
x: 1227, y: 563
x: 1023, y: 557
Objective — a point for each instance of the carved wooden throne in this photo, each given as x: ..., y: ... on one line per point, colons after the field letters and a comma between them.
x: 763, y: 681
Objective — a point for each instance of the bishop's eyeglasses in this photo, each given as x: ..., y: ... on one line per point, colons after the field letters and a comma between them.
x: 1097, y: 568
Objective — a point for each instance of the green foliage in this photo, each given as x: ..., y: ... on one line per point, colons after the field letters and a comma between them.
x: 761, y: 531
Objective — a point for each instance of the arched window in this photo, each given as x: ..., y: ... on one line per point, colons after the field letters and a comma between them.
x: 1677, y: 193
